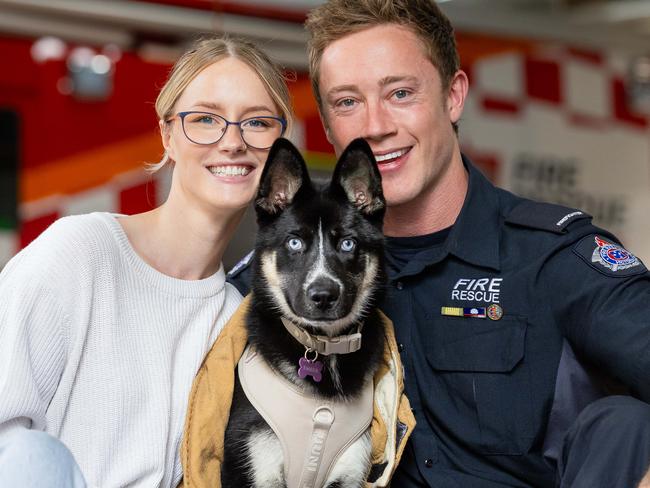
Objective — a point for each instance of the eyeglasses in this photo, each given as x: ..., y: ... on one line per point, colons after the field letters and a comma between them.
x: 208, y: 128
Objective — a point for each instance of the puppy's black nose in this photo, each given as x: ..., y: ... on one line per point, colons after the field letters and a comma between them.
x: 324, y: 293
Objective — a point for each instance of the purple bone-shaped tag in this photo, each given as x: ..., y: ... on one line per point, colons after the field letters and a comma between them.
x: 310, y: 368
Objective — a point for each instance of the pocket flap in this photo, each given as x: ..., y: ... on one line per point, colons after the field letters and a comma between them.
x: 467, y: 344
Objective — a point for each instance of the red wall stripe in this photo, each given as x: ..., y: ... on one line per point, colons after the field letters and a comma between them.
x: 315, y: 139
x: 543, y: 80
x: 586, y: 55
x: 139, y: 198
x: 500, y: 105
x: 31, y: 229
x: 622, y: 110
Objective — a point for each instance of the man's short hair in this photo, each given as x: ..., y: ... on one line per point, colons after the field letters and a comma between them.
x: 338, y: 18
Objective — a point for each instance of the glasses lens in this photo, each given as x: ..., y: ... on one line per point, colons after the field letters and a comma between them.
x: 203, y: 128
x: 261, y: 132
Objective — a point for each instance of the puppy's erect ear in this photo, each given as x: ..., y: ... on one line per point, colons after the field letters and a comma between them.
x: 285, y: 172
x: 357, y: 174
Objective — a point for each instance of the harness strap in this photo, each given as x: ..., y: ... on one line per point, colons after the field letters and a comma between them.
x: 323, y: 419
x: 313, y: 431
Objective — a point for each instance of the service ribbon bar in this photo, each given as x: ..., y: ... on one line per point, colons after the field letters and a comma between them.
x: 474, y: 312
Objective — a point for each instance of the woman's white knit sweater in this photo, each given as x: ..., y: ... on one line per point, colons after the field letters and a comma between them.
x: 99, y: 349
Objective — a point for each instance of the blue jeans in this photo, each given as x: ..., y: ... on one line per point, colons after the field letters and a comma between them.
x: 31, y: 458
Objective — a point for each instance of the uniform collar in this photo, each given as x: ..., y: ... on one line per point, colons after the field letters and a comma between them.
x: 475, y: 235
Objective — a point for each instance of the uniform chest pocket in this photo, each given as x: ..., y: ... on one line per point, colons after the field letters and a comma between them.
x: 465, y: 344
x: 490, y: 354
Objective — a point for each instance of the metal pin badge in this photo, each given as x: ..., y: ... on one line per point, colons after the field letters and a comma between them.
x: 494, y: 312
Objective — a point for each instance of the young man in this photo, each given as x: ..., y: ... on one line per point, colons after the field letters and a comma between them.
x: 503, y: 307
x: 494, y: 297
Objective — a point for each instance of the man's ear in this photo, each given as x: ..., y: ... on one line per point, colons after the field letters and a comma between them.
x: 285, y: 172
x: 356, y: 173
x: 456, y: 95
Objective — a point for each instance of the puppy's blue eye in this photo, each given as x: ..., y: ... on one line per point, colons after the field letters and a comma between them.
x: 347, y: 245
x: 295, y: 244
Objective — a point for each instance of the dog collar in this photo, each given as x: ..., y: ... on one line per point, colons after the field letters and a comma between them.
x: 322, y: 344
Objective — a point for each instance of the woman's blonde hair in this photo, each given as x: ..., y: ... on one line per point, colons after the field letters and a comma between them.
x: 207, y: 51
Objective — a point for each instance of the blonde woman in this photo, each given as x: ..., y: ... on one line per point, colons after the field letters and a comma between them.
x: 105, y: 319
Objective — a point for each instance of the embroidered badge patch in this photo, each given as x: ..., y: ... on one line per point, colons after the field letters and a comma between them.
x: 608, y: 257
x: 612, y: 256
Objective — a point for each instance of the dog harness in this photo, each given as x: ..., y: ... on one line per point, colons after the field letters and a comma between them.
x: 313, y: 431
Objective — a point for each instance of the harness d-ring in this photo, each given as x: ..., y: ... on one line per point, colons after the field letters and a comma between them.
x: 307, y: 351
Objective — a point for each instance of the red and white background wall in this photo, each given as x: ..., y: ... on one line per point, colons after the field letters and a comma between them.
x: 544, y: 120
x: 554, y: 123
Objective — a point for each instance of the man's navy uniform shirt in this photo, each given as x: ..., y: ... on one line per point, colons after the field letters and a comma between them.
x: 535, y: 296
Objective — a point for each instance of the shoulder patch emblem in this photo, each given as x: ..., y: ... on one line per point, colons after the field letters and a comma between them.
x: 608, y: 257
x: 612, y: 256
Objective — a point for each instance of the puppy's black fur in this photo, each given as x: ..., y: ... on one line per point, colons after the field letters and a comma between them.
x: 319, y: 262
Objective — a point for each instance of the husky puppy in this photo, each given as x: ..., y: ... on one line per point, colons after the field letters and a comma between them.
x: 318, y: 272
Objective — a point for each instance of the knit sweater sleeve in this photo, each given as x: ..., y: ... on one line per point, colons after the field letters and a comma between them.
x: 32, y: 342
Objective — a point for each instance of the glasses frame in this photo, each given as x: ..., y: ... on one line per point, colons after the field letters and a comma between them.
x: 182, y: 115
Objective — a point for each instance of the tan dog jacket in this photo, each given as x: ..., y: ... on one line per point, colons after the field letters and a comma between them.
x: 211, y: 399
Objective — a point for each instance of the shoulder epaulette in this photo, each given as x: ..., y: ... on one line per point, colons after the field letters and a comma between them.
x: 544, y: 216
x: 241, y: 265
